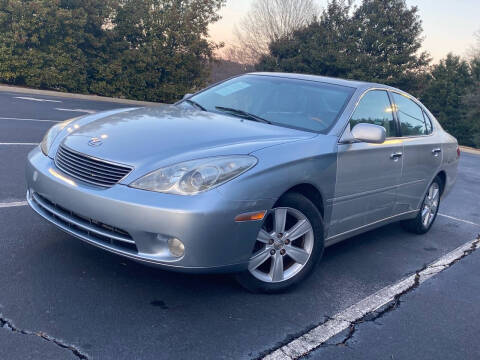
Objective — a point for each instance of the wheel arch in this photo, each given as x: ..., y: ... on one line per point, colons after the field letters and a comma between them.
x: 311, y: 192
x: 443, y: 176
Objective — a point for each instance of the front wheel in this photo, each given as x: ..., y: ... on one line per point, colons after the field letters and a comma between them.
x: 288, y: 245
x: 429, y: 210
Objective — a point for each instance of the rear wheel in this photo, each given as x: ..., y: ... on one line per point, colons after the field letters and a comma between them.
x: 429, y: 210
x: 288, y: 245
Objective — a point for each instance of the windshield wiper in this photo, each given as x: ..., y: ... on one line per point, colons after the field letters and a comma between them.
x: 243, y: 114
x: 195, y: 104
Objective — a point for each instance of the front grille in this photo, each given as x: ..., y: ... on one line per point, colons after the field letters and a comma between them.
x: 83, y: 227
x: 91, y: 170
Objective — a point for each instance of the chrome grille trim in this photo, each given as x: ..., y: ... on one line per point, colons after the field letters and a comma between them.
x: 80, y: 172
x: 94, y: 167
x: 89, y: 169
x: 94, y: 162
x: 81, y: 227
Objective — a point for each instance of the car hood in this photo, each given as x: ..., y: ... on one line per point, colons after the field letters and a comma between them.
x: 167, y: 134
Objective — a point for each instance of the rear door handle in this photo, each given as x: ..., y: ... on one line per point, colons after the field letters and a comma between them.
x: 396, y: 156
x: 437, y: 151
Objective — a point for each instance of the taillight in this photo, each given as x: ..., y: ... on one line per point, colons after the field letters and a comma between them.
x: 458, y: 151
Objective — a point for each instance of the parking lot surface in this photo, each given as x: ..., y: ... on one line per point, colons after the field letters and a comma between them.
x: 436, y: 321
x: 89, y: 304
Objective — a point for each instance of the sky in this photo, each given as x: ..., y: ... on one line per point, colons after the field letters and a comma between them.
x: 448, y: 25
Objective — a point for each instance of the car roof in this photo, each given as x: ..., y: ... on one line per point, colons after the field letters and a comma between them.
x: 325, y: 79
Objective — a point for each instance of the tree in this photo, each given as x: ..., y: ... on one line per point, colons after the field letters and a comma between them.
x: 451, y: 82
x: 388, y: 43
x: 471, y: 101
x: 144, y: 49
x: 160, y: 49
x: 379, y: 41
x: 269, y: 21
x: 324, y: 47
x: 48, y: 44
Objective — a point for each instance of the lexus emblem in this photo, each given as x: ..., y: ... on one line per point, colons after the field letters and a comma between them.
x: 95, y: 141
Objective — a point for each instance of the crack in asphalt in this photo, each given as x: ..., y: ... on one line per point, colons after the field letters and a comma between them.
x: 375, y: 315
x: 8, y: 324
x: 284, y: 351
x: 395, y: 303
x: 474, y: 247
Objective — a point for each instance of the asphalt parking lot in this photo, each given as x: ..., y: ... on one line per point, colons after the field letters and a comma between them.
x: 63, y: 299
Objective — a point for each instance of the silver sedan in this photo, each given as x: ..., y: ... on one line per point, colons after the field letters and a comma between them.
x: 255, y: 175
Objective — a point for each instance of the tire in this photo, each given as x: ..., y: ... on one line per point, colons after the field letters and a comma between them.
x: 431, y: 204
x: 273, y: 248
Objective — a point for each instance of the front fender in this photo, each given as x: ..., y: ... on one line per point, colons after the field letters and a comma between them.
x: 281, y: 167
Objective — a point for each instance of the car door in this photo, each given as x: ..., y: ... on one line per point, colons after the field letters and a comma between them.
x: 422, y: 152
x: 367, y: 174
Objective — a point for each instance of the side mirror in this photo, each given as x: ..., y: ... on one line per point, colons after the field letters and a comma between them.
x: 369, y: 133
x: 186, y: 96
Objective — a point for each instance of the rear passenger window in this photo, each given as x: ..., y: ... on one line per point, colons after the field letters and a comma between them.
x: 411, y: 117
x: 428, y: 123
x: 375, y: 108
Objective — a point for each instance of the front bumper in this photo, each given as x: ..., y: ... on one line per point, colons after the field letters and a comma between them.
x: 137, y: 224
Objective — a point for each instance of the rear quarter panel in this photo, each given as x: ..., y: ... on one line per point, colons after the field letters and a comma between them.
x: 450, y: 160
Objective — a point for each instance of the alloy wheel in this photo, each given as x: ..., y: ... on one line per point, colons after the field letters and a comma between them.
x: 430, y: 205
x: 283, y: 247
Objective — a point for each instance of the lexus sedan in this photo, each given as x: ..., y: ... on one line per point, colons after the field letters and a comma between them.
x: 255, y: 175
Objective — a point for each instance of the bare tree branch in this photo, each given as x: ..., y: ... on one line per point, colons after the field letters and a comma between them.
x: 474, y: 51
x: 267, y: 21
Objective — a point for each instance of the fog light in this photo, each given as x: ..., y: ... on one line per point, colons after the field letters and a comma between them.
x: 176, y: 247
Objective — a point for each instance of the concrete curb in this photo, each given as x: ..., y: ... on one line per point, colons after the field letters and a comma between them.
x: 470, y: 150
x: 22, y: 90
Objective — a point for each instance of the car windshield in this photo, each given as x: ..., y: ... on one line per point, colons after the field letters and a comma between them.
x: 309, y: 105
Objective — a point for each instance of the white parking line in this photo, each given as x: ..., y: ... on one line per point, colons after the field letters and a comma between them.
x: 26, y: 119
x: 36, y: 99
x: 27, y: 144
x: 77, y: 110
x: 457, y: 219
x: 13, y: 204
x: 316, y: 337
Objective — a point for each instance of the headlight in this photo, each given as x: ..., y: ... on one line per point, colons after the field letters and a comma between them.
x: 193, y: 177
x: 52, y: 134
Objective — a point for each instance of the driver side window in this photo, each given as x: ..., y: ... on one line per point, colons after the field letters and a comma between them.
x: 375, y: 108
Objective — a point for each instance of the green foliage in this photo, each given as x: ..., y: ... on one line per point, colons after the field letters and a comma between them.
x: 324, y: 47
x: 38, y: 45
x: 379, y: 41
x: 471, y: 101
x: 142, y: 49
x: 388, y: 41
x: 452, y: 95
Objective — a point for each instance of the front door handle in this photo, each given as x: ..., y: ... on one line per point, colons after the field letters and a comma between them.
x: 437, y: 151
x: 396, y: 156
